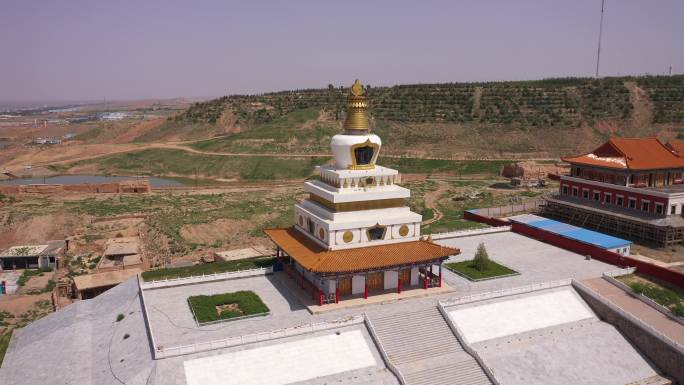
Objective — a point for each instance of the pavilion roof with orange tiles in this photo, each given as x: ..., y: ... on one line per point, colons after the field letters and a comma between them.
x: 632, y: 154
x: 677, y: 146
x: 317, y: 259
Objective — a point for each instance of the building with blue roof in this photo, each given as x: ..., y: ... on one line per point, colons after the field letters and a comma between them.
x: 604, y: 241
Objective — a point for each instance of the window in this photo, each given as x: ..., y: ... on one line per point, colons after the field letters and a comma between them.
x: 565, y: 190
x: 606, y: 198
x: 574, y: 191
x: 585, y: 193
x: 632, y: 203
x: 659, y: 208
x: 363, y: 155
x: 597, y: 196
x: 673, y: 209
x: 376, y: 233
x: 644, y: 205
x: 51, y: 259
x: 619, y: 200
x: 311, y: 225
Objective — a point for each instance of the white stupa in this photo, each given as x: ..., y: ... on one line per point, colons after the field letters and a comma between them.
x: 356, y: 203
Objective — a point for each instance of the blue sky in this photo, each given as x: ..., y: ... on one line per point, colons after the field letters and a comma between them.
x: 87, y: 50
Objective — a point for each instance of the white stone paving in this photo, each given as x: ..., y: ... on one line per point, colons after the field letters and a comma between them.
x: 284, y: 363
x: 503, y: 318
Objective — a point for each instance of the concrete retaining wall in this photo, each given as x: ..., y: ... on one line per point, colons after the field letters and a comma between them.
x: 667, y: 356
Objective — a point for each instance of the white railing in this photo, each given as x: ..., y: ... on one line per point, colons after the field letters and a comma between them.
x: 206, y: 278
x: 461, y: 338
x: 505, y: 292
x: 627, y: 315
x: 164, y: 352
x: 469, y: 233
x: 146, y: 315
x: 620, y: 272
x: 385, y: 357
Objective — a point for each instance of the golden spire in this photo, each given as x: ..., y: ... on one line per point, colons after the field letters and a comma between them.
x: 357, y: 115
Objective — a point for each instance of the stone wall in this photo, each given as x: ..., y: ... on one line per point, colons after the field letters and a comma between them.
x: 664, y: 354
x: 127, y: 186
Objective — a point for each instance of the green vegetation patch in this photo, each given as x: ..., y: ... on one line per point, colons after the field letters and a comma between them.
x: 207, y: 268
x: 181, y: 163
x: 4, y: 344
x: 469, y: 270
x: 430, y: 166
x: 297, y: 131
x: 665, y: 296
x: 211, y: 308
x: 27, y: 274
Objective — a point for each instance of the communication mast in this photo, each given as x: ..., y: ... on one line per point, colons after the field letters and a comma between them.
x: 598, y: 54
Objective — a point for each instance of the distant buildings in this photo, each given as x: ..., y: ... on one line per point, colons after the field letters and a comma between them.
x: 32, y: 256
x: 629, y: 187
x: 121, y: 254
x: 113, y: 116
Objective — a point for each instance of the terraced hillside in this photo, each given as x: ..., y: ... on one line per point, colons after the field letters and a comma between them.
x: 543, y: 118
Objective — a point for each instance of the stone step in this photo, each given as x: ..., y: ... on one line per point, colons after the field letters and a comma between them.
x: 424, y: 349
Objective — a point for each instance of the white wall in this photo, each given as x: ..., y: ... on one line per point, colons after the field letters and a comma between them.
x: 391, y: 279
x: 414, y: 276
x: 358, y: 284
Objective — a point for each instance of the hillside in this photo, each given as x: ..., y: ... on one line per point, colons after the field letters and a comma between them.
x: 543, y: 118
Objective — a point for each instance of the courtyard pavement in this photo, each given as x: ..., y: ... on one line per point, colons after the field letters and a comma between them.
x: 173, y: 325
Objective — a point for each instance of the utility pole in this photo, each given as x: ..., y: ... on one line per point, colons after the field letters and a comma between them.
x: 670, y: 74
x: 598, y: 54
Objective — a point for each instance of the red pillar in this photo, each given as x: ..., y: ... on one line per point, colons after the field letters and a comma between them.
x: 365, y: 288
x: 425, y: 279
x: 337, y: 294
x: 440, y: 275
x: 320, y: 297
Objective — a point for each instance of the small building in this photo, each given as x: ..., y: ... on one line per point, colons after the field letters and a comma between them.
x: 32, y: 256
x: 604, y: 241
x: 92, y: 285
x: 121, y: 254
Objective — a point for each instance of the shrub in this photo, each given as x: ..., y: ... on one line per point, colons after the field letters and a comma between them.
x: 481, y: 260
x: 120, y: 317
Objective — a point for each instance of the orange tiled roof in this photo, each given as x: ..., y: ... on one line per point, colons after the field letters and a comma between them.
x: 630, y: 154
x: 677, y: 146
x: 320, y: 260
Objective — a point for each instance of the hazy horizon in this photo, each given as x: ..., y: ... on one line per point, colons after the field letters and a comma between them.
x: 86, y: 51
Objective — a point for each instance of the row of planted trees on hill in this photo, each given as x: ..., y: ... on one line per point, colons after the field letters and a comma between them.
x: 566, y: 101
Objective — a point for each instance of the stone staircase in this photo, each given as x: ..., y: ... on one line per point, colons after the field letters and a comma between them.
x: 425, y: 351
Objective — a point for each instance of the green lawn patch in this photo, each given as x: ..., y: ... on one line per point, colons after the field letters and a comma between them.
x: 467, y: 269
x: 665, y: 296
x: 212, y: 308
x: 4, y: 344
x: 207, y: 268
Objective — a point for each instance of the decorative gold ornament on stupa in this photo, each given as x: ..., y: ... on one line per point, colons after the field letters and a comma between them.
x: 357, y: 109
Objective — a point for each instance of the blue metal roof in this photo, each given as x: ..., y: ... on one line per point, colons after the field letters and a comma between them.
x: 573, y: 232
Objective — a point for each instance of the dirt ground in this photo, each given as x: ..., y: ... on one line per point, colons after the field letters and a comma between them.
x: 674, y: 255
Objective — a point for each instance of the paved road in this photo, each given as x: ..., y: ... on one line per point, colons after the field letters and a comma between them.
x: 638, y: 309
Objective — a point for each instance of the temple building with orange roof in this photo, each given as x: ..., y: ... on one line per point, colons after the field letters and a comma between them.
x: 355, y: 234
x: 630, y: 187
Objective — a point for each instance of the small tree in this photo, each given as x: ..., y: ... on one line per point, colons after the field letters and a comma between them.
x: 481, y: 260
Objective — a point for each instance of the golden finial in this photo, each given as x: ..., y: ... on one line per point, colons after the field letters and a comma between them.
x: 357, y: 115
x: 357, y: 88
